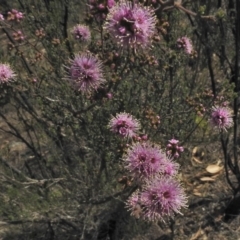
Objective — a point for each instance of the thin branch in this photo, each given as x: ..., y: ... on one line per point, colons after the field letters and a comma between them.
x: 61, y: 220
x: 210, y: 68
x: 65, y: 27
x: 226, y: 161
x: 23, y: 59
x: 18, y: 172
x: 108, y: 198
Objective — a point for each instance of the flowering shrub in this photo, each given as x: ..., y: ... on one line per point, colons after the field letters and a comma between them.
x: 150, y: 167
x: 82, y: 136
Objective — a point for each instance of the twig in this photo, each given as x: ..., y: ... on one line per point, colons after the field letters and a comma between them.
x: 108, y: 198
x: 226, y: 161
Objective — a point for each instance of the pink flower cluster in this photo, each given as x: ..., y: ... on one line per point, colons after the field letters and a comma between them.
x: 131, y: 24
x: 1, y: 17
x: 173, y: 149
x: 145, y: 160
x: 155, y: 172
x: 85, y: 73
x: 221, y: 118
x: 18, y: 36
x: 110, y: 3
x: 15, y: 15
x: 185, y: 44
x: 124, y: 125
x: 161, y: 193
x: 81, y: 33
x: 100, y: 10
x: 6, y: 74
x: 161, y: 197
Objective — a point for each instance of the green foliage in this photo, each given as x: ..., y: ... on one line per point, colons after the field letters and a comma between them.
x: 221, y: 14
x: 202, y: 9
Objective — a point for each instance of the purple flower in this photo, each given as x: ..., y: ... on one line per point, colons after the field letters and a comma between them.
x: 6, y: 73
x: 18, y: 36
x: 133, y: 205
x: 1, y: 17
x: 144, y: 137
x: 110, y: 3
x: 185, y: 43
x: 124, y: 124
x: 161, y: 197
x: 15, y: 15
x: 85, y: 73
x: 173, y: 148
x: 173, y: 141
x: 221, y: 118
x: 81, y: 33
x: 144, y: 160
x: 131, y: 24
x: 109, y: 95
x: 100, y: 11
x: 170, y: 168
